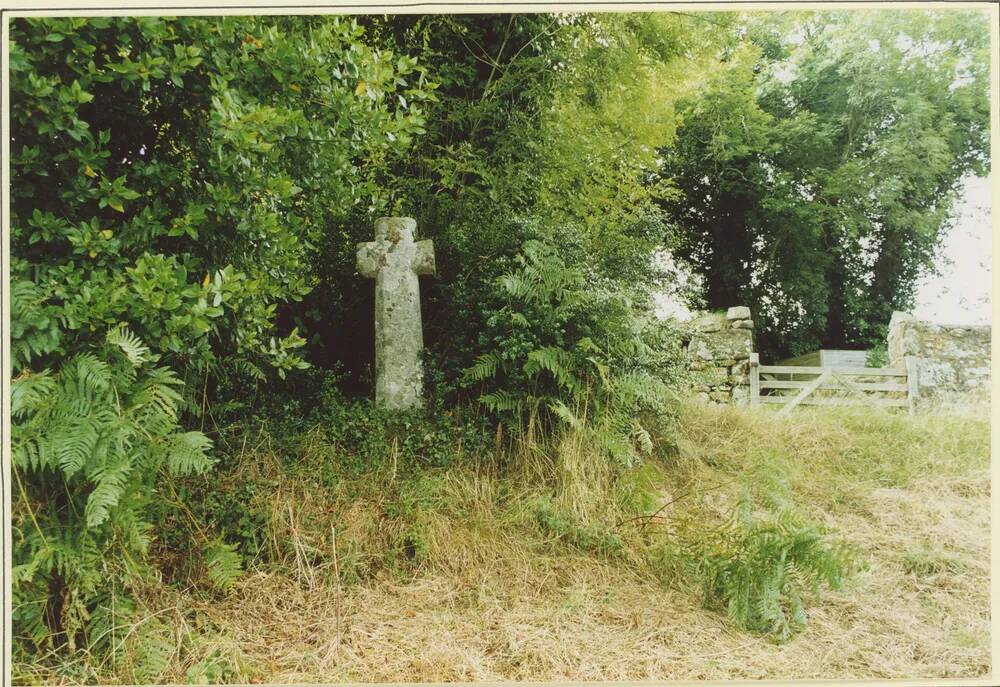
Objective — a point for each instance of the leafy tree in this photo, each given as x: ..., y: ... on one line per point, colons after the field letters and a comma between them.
x: 820, y: 168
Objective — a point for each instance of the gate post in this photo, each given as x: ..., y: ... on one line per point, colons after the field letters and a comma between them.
x: 912, y: 383
x: 754, y: 380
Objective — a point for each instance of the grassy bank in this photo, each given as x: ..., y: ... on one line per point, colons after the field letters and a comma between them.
x: 541, y: 564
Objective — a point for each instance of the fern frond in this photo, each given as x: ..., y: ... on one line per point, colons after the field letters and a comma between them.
x: 29, y: 393
x: 560, y: 410
x: 555, y: 361
x: 521, y: 288
x: 486, y: 366
x: 603, y: 370
x: 30, y: 452
x: 156, y: 401
x: 129, y: 344
x: 759, y: 569
x: 110, y: 486
x: 110, y: 623
x: 640, y: 388
x: 89, y: 373
x: 248, y: 368
x: 500, y: 401
x: 34, y: 327
x: 187, y: 453
x: 154, y: 647
x: 520, y: 320
x: 223, y: 565
x: 74, y: 443
x: 643, y: 438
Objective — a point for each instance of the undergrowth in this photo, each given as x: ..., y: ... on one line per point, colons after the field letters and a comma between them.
x: 759, y: 570
x: 733, y: 516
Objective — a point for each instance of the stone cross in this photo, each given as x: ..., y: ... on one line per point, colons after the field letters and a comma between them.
x: 394, y: 259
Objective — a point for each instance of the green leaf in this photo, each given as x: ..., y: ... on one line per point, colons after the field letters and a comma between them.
x: 223, y: 565
x: 187, y: 453
x: 130, y: 344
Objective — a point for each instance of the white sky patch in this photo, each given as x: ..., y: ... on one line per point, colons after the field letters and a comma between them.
x: 668, y: 307
x: 961, y: 293
x: 963, y: 77
x: 669, y: 303
x: 768, y: 170
x: 786, y: 72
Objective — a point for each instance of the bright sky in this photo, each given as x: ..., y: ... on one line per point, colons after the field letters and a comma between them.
x: 960, y: 294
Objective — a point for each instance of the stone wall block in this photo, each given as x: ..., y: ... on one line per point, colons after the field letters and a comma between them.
x: 741, y: 368
x: 718, y: 352
x: 949, y: 357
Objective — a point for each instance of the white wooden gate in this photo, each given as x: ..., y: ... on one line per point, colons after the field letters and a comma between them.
x: 792, y: 385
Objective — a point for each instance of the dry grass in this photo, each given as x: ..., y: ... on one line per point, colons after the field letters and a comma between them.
x: 489, y: 596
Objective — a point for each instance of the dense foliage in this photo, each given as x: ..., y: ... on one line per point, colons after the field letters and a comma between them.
x: 188, y: 194
x: 539, y: 122
x: 820, y: 168
x: 169, y: 177
x: 563, y: 353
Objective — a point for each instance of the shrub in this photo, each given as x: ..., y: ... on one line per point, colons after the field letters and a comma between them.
x: 170, y: 176
x: 877, y: 355
x: 367, y: 436
x: 565, y: 351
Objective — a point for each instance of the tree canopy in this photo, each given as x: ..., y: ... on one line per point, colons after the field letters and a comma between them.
x: 818, y: 171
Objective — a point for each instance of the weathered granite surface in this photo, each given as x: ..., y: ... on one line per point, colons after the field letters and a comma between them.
x: 738, y: 312
x: 950, y: 358
x: 394, y: 259
x: 718, y: 352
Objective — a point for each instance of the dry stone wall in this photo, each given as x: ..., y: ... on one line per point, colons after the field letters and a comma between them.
x: 718, y: 355
x: 950, y: 358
